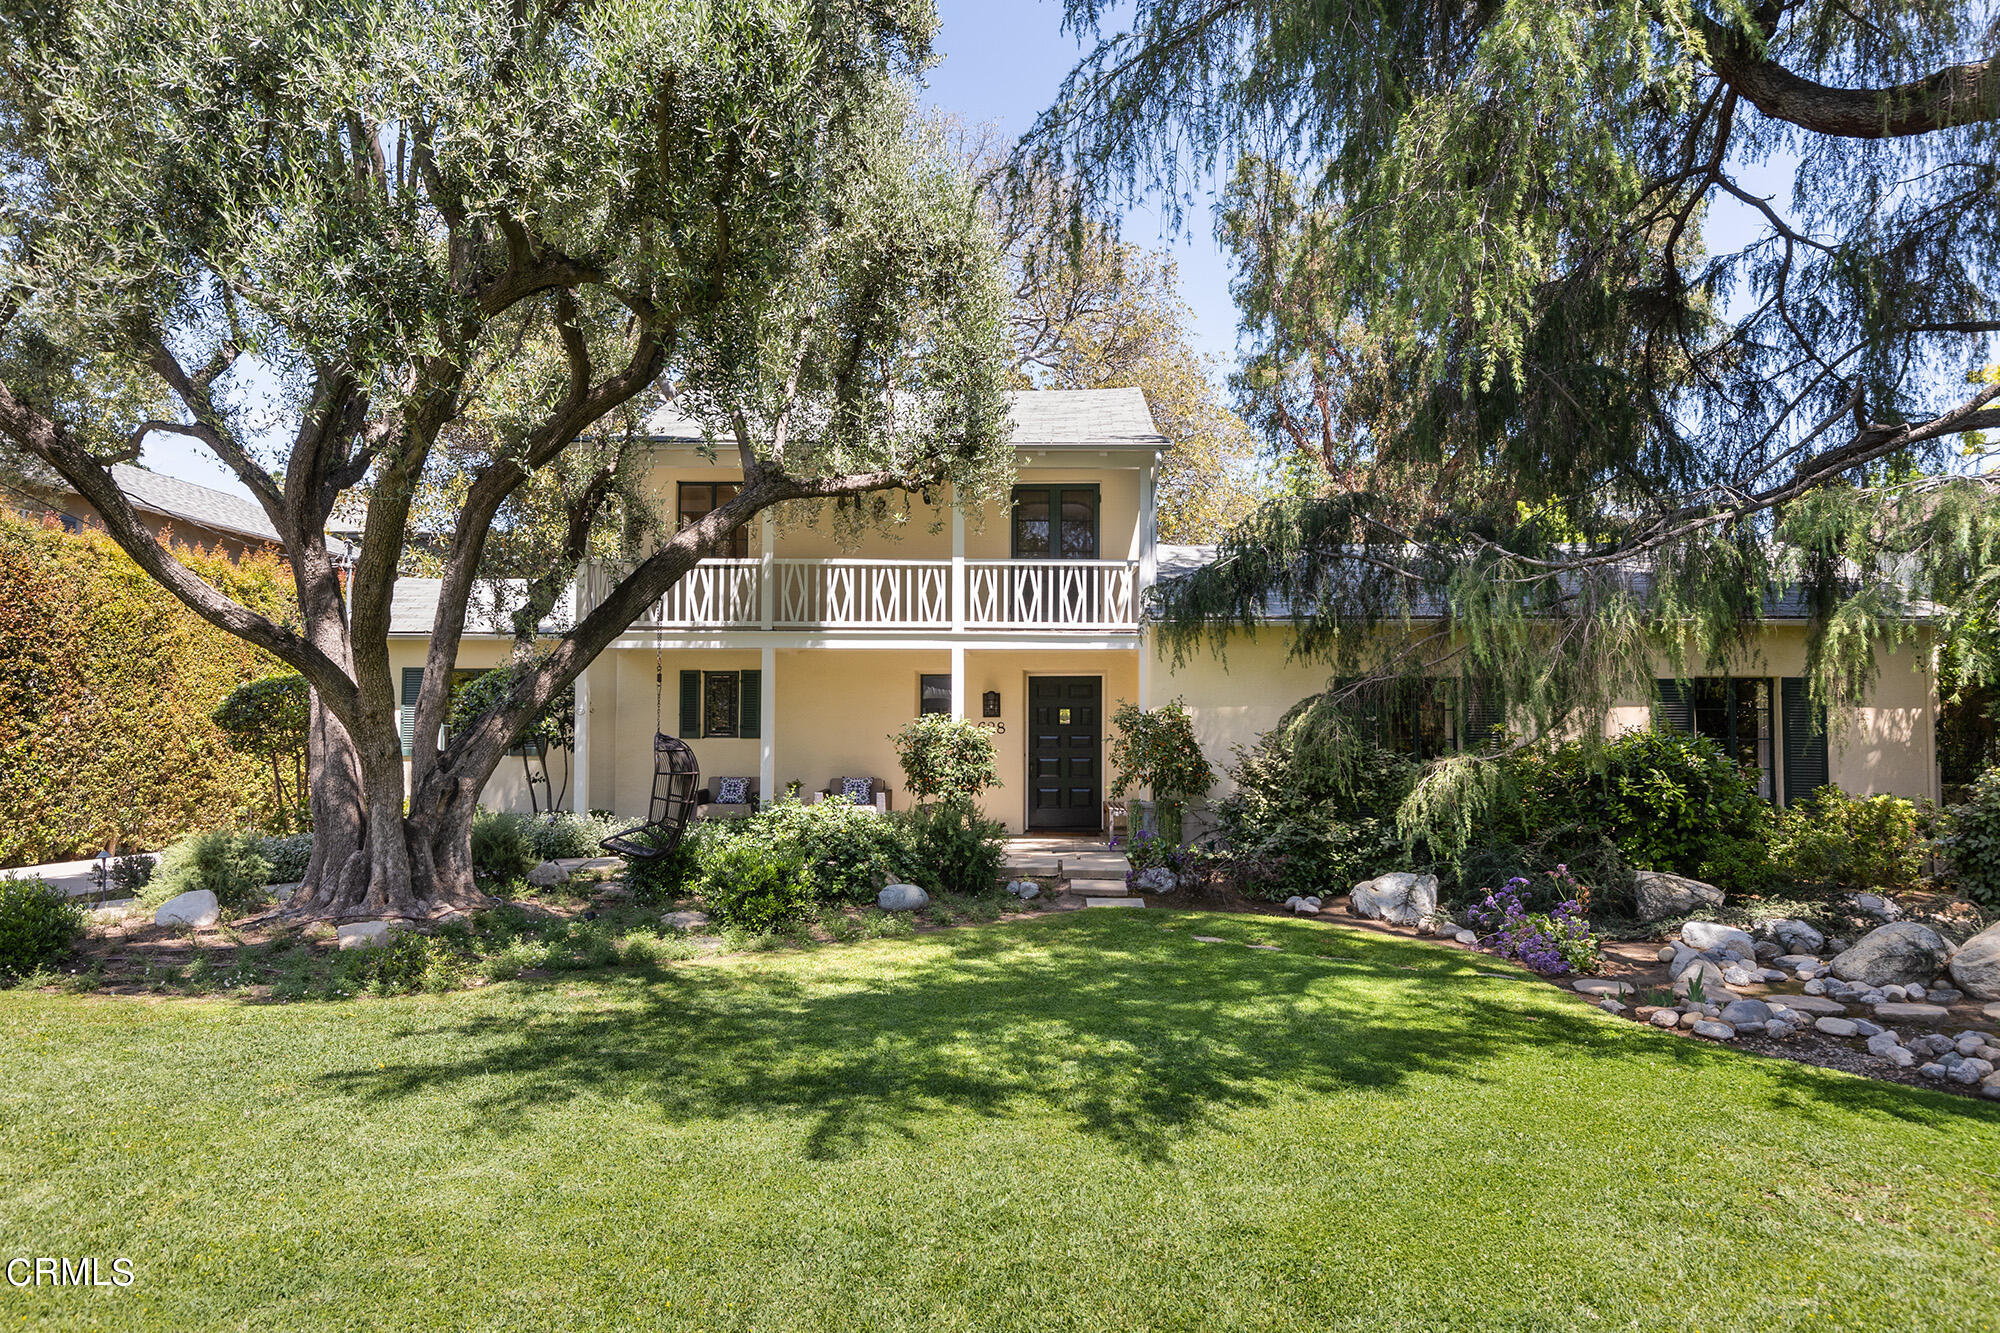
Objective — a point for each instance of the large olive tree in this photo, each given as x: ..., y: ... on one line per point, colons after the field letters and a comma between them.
x: 374, y: 254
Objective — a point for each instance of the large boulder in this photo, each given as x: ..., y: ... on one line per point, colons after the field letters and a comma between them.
x: 1713, y: 935
x: 1400, y: 898
x: 901, y: 898
x: 1156, y: 879
x: 1899, y: 953
x: 547, y: 875
x: 195, y: 908
x: 1875, y: 905
x: 1975, y: 968
x: 1661, y: 895
x: 687, y: 921
x: 1796, y: 936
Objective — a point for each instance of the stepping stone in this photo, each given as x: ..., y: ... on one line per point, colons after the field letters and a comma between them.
x: 1601, y: 986
x: 1893, y: 1010
x: 1271, y: 947
x: 1114, y: 902
x: 1099, y: 888
x: 1208, y: 939
x: 1811, y: 1004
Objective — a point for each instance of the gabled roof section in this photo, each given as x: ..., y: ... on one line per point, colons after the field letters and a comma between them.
x: 157, y: 493
x: 413, y: 607
x: 1043, y: 419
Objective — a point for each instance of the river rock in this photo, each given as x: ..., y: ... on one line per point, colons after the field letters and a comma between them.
x: 1900, y: 953
x: 1156, y: 879
x: 1661, y: 895
x: 1600, y: 986
x: 1400, y: 898
x: 901, y: 898
x: 1796, y: 936
x: 364, y: 934
x: 1706, y: 935
x: 1875, y: 905
x: 1714, y: 1030
x: 1975, y: 968
x: 1835, y: 1027
x: 1706, y: 973
x: 1737, y: 1013
x: 194, y: 908
x: 547, y: 875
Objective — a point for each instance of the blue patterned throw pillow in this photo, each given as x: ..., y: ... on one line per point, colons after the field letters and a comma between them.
x: 732, y: 791
x: 861, y: 791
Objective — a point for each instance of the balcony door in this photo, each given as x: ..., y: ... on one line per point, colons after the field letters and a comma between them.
x: 1065, y: 769
x: 1055, y: 522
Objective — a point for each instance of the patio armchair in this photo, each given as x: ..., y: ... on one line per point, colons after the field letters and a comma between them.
x: 869, y: 793
x: 729, y: 798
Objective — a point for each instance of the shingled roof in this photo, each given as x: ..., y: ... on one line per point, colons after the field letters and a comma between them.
x: 1043, y: 419
x: 157, y: 493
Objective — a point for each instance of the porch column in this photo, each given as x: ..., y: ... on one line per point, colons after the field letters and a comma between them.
x: 767, y: 574
x: 957, y: 576
x: 957, y: 683
x: 767, y: 731
x: 1149, y: 539
x: 579, y: 755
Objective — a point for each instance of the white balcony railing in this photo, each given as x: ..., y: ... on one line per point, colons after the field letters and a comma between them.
x: 895, y: 594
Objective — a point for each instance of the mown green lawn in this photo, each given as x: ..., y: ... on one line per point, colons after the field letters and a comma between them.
x: 1089, y: 1121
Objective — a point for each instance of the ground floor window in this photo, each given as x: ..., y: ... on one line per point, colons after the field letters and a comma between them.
x: 1737, y: 713
x: 721, y: 704
x: 934, y: 694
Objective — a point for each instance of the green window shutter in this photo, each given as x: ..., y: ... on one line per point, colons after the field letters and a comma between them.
x: 413, y: 682
x: 1804, y: 722
x: 690, y: 704
x: 750, y: 705
x: 1672, y: 709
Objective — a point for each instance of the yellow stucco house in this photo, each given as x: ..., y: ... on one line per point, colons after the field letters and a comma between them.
x: 789, y: 658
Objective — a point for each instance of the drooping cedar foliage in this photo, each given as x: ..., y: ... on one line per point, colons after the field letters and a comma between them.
x: 1601, y: 332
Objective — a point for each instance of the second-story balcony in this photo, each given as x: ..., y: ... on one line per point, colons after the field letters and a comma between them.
x: 839, y: 593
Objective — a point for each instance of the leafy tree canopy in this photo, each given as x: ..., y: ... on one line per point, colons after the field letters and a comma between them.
x: 435, y: 263
x: 1554, y: 411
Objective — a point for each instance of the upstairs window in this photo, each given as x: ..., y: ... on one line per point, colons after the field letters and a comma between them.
x: 700, y: 498
x: 1055, y: 522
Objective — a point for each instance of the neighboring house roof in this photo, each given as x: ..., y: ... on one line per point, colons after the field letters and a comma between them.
x: 1179, y: 561
x: 171, y: 497
x: 413, y: 607
x: 1043, y: 419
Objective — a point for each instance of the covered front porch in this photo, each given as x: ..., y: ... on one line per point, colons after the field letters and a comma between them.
x: 814, y: 714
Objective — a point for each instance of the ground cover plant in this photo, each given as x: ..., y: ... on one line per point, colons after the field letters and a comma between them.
x: 937, y: 1131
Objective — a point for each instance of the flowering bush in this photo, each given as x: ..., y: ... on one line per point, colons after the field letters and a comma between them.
x: 1554, y: 943
x: 1151, y: 851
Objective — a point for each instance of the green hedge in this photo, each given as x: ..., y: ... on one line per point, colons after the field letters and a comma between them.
x: 106, y: 686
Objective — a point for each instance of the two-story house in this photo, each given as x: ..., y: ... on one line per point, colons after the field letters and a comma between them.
x: 789, y: 658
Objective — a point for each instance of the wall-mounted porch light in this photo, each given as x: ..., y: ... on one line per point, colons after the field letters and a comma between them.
x: 989, y: 704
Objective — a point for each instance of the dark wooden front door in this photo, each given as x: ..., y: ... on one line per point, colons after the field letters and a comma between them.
x: 1065, y: 770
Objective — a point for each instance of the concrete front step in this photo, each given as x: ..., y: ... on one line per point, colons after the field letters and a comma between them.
x: 1114, y: 902
x: 1099, y: 888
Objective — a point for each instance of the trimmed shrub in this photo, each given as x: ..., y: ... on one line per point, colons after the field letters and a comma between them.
x: 1547, y: 871
x: 1308, y: 817
x: 131, y: 874
x: 288, y: 855
x: 107, y: 686
x: 229, y: 865
x: 654, y: 880
x: 38, y: 925
x: 1836, y: 841
x: 501, y: 850
x: 1669, y: 801
x: 562, y: 833
x: 949, y: 847
x: 944, y: 757
x: 1971, y: 841
x: 755, y: 886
